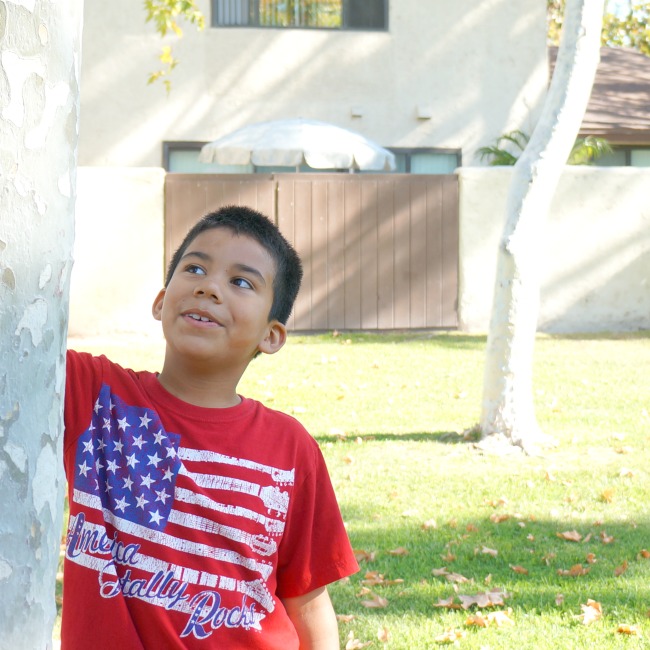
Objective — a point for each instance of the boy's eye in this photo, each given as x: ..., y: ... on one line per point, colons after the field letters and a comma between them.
x: 242, y: 282
x: 194, y: 268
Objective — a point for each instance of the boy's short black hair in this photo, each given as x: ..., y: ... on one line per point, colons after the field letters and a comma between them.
x: 242, y: 220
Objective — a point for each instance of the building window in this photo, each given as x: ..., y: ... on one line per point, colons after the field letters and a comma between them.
x: 320, y: 14
x: 183, y: 157
x: 625, y: 157
x: 426, y: 161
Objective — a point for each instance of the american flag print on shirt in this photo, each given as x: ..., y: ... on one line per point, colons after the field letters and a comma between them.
x: 154, y: 524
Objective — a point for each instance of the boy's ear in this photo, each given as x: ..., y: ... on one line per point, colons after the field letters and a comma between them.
x: 156, y: 308
x: 276, y: 336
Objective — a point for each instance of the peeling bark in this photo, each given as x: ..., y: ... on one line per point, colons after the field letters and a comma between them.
x: 508, y: 415
x: 39, y: 102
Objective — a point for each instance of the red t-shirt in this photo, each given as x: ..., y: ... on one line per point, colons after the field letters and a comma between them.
x: 188, y: 525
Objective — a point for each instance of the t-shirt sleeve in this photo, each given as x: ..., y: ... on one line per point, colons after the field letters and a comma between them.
x: 82, y: 384
x: 315, y: 549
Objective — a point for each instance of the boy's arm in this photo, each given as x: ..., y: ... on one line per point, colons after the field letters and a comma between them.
x: 313, y: 617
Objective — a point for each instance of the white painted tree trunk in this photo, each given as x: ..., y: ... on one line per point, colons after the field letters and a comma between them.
x: 508, y: 416
x: 39, y: 104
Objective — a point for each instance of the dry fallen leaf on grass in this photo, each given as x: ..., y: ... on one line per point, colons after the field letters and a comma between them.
x: 495, y: 503
x: 400, y: 550
x: 631, y: 630
x: 607, y: 495
x: 384, y: 635
x: 494, y: 598
x: 477, y: 620
x: 501, y: 618
x: 364, y: 556
x: 559, y: 599
x: 575, y: 571
x: 643, y: 555
x: 450, y: 636
x: 429, y: 524
x: 620, y: 570
x: 548, y: 558
x: 442, y: 571
x: 605, y: 538
x: 345, y: 618
x: 519, y: 569
x: 624, y: 450
x: 570, y: 536
x: 499, y: 519
x: 447, y: 603
x: 354, y: 644
x: 376, y: 602
x: 489, y: 551
x: 591, y: 612
x: 498, y: 618
x: 591, y: 558
x: 373, y: 578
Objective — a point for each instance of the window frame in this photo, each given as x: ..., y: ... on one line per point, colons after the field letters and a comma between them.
x: 169, y: 146
x: 343, y: 28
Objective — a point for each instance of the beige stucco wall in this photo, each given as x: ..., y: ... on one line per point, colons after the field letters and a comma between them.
x: 597, y: 249
x: 597, y: 274
x: 478, y: 66
x: 118, y: 251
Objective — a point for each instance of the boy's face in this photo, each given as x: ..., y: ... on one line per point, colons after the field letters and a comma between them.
x: 217, y: 303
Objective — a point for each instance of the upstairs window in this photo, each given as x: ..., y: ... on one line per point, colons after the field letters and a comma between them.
x: 321, y: 14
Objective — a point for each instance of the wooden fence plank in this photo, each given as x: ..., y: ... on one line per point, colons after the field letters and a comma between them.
x: 379, y: 251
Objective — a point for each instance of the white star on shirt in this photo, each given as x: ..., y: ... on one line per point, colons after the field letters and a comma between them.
x: 131, y: 460
x: 155, y: 517
x: 147, y: 480
x: 107, y: 424
x: 162, y: 495
x: 112, y: 466
x: 171, y: 452
x: 121, y: 504
x: 144, y: 421
x: 98, y: 465
x: 128, y: 483
x: 138, y: 442
x: 118, y: 445
x: 101, y: 444
x: 122, y: 424
x: 83, y: 469
x: 141, y: 501
x: 153, y: 460
x: 168, y: 475
x: 159, y: 437
x: 88, y: 447
x: 97, y: 406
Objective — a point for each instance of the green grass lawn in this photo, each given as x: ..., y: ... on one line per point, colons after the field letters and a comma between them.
x: 435, y: 519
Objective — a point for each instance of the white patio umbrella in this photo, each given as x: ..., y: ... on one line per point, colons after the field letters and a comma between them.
x: 292, y: 142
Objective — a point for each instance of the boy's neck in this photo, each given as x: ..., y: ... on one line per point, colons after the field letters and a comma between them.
x: 207, y: 390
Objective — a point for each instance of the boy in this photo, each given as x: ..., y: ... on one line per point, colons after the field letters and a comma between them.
x: 200, y: 518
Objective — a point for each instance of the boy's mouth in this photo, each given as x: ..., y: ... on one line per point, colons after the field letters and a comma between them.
x: 200, y: 317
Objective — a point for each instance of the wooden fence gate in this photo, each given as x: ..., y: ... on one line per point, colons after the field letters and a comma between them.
x: 379, y: 251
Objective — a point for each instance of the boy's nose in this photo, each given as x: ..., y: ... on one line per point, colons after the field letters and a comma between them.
x: 208, y: 288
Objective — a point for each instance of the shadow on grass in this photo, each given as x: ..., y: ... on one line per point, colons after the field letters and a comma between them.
x: 444, y: 437
x: 601, y: 336
x: 437, y: 338
x: 527, y: 559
